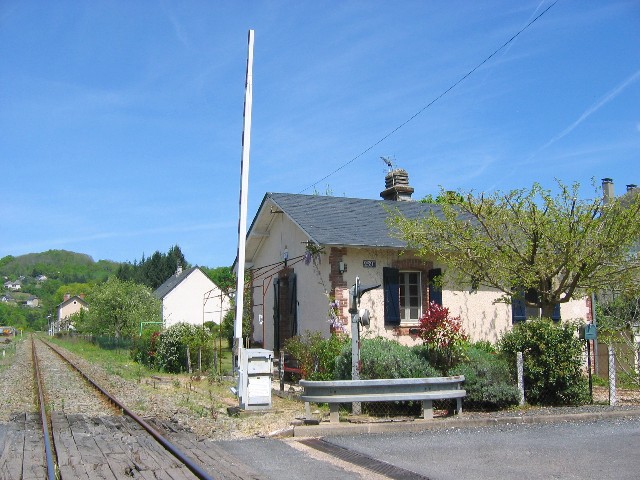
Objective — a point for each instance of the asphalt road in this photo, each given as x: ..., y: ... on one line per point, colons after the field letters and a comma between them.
x: 603, y: 449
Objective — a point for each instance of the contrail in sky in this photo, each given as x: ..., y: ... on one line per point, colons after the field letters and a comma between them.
x: 594, y: 108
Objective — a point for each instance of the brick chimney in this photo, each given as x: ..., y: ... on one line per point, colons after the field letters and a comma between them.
x: 607, y: 190
x: 397, y: 186
x: 67, y: 296
x: 631, y: 187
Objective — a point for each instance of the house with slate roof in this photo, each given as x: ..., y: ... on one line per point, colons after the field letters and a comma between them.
x: 304, y: 252
x: 190, y: 296
x: 69, y: 306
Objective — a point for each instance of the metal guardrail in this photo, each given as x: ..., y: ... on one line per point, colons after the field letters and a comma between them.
x: 383, y: 390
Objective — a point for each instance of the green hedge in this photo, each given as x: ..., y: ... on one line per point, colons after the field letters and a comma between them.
x: 382, y: 358
x: 552, y: 356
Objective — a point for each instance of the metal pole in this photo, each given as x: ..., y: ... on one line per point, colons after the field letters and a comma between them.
x: 244, y: 189
x: 589, y: 367
x: 595, y: 343
x: 242, y: 222
x: 356, y: 407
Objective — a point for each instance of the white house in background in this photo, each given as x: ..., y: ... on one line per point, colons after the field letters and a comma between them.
x: 69, y: 306
x: 190, y: 296
x: 13, y: 286
x: 33, y: 301
x: 305, y: 251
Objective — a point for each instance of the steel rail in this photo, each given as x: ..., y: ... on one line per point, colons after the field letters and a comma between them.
x: 51, y: 470
x: 176, y: 452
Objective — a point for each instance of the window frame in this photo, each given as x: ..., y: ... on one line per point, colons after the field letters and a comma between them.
x: 404, y: 282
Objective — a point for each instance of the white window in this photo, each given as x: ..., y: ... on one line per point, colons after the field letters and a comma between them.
x: 410, y: 297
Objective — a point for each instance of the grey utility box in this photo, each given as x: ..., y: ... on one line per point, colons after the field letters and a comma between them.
x: 254, y: 382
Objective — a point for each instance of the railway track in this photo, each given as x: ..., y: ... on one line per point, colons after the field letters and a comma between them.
x: 91, y: 434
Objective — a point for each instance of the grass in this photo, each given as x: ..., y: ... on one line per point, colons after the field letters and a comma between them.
x: 115, y: 362
x: 212, y: 387
x: 7, y: 351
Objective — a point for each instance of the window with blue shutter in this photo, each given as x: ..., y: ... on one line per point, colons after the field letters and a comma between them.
x: 391, y: 286
x: 518, y: 310
x: 555, y: 316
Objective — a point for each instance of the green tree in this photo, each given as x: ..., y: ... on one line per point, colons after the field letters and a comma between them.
x: 117, y: 307
x: 529, y: 240
x: 154, y: 270
x: 223, y: 277
x: 72, y: 289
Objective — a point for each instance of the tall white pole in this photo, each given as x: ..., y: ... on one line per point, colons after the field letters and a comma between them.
x: 244, y: 188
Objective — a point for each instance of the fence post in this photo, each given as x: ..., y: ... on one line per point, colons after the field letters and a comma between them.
x: 520, y: 367
x: 281, y: 370
x: 188, y: 360
x: 612, y: 376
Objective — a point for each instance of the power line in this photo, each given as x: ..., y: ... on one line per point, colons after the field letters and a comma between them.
x: 463, y: 78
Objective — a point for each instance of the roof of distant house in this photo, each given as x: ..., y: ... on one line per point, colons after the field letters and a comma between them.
x: 172, y: 282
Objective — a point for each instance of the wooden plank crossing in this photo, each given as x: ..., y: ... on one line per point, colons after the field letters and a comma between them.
x: 22, y: 450
x: 108, y: 448
x: 111, y: 448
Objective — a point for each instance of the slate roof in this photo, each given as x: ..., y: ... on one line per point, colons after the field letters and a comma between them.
x: 172, y: 282
x: 345, y: 221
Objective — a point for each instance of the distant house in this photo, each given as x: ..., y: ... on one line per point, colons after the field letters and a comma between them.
x: 33, y: 302
x: 41, y: 278
x: 70, y: 306
x: 189, y: 296
x: 304, y: 252
x: 13, y: 286
x: 6, y: 298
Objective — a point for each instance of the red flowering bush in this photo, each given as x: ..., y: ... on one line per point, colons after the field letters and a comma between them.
x: 440, y: 330
x: 443, y: 336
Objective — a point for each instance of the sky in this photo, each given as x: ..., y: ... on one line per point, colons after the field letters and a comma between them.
x: 121, y: 122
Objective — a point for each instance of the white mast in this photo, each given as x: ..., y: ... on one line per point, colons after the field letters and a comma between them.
x: 244, y: 188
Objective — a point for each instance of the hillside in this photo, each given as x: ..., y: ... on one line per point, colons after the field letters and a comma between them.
x: 57, y: 264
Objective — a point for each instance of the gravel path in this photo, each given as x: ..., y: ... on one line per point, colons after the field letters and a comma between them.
x: 16, y: 383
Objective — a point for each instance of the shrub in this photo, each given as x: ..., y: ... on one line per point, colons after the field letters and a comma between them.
x: 143, y: 349
x: 382, y: 358
x: 172, y: 347
x: 443, y: 335
x: 488, y: 380
x: 316, y: 356
x: 552, y: 362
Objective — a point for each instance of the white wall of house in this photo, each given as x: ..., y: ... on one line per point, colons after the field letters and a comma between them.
x: 71, y: 307
x: 186, y: 302
x: 312, y: 282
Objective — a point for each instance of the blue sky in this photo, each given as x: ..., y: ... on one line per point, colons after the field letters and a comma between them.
x: 121, y: 122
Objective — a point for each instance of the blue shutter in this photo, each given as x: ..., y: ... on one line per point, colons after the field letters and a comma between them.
x: 435, y: 292
x: 555, y: 316
x: 391, y: 286
x: 518, y: 309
